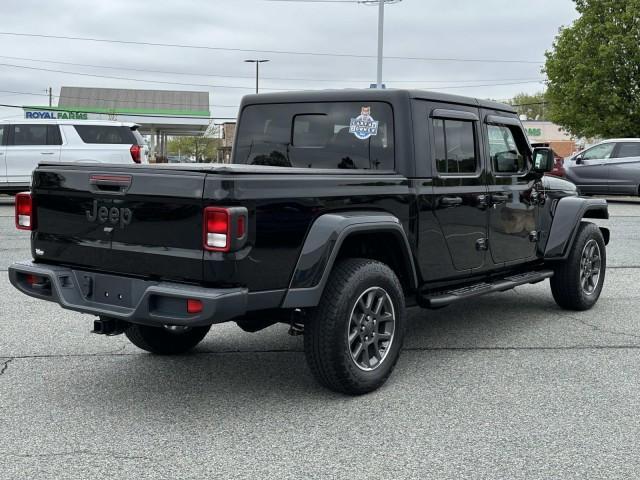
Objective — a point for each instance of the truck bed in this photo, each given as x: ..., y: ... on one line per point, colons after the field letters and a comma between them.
x: 151, y: 226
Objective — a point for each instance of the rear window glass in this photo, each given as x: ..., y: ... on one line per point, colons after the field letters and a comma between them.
x: 345, y: 135
x: 105, y: 134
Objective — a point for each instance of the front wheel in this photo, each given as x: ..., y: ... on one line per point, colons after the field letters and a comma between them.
x: 578, y: 281
x: 167, y: 340
x: 352, y: 340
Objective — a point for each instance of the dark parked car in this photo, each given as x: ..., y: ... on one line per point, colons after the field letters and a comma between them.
x: 611, y: 167
x: 558, y: 161
x: 341, y: 210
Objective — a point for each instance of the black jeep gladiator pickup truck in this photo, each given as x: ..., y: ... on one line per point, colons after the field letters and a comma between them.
x: 341, y: 209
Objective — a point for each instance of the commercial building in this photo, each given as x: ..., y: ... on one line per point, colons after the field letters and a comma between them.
x: 228, y: 133
x: 160, y: 113
x: 547, y: 132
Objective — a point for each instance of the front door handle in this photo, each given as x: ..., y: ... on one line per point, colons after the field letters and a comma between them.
x: 451, y: 201
x: 46, y: 153
x: 500, y: 197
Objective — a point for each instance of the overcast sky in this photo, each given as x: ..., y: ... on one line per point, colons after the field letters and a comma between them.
x: 463, y: 29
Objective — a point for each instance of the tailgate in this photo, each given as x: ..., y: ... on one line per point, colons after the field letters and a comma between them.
x: 139, y: 221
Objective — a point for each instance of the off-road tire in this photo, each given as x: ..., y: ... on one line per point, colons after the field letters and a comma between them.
x: 326, y: 330
x: 162, y: 341
x: 566, y: 284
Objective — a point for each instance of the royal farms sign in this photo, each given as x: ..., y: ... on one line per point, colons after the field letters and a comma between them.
x: 55, y: 114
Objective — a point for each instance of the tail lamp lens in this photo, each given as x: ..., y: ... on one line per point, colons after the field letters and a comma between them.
x: 225, y: 228
x: 217, y: 229
x: 136, y: 152
x: 25, y: 218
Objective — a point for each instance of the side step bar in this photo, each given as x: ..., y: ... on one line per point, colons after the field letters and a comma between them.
x: 447, y: 297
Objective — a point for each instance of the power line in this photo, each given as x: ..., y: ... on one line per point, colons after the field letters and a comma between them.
x: 274, y: 52
x: 129, y: 79
x: 217, y: 86
x: 306, y: 79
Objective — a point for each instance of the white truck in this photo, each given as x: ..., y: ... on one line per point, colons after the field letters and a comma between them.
x: 25, y: 142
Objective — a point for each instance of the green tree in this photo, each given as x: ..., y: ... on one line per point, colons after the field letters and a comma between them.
x: 203, y: 147
x: 593, y: 71
x: 532, y: 105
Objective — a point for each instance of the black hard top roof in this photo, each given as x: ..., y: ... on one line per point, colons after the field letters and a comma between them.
x: 372, y: 94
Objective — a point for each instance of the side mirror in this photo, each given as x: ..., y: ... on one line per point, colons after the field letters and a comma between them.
x: 543, y: 159
x: 507, y: 161
x: 578, y: 159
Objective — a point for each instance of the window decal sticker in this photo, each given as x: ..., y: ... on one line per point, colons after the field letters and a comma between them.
x: 364, y: 126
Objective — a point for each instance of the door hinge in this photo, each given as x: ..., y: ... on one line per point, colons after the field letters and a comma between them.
x: 482, y: 244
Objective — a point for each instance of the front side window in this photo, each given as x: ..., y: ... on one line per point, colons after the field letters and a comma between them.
x: 506, y: 149
x: 36, y: 135
x: 455, y: 146
x: 599, y: 152
x: 336, y: 135
x: 628, y: 149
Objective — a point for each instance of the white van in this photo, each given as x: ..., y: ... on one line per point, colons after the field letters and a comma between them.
x: 24, y: 143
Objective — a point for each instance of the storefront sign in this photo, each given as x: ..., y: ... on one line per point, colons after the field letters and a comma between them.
x: 55, y: 115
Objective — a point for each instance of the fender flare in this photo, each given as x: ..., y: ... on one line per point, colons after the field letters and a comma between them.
x: 321, y: 247
x: 567, y: 216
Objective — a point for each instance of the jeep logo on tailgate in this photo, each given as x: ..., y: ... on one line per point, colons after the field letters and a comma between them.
x: 113, y: 215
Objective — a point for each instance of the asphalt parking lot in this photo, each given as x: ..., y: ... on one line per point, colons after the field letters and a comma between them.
x: 507, y: 386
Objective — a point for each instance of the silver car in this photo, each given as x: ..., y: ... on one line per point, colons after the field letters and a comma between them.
x: 611, y: 167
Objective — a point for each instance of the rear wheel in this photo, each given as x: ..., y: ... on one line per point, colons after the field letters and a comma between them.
x: 577, y: 282
x: 353, y: 338
x: 167, y: 340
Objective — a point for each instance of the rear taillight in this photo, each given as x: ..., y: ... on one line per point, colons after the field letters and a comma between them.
x: 136, y: 153
x: 225, y: 229
x: 25, y: 212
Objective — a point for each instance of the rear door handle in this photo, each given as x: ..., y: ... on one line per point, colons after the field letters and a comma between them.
x: 451, y: 201
x: 47, y: 153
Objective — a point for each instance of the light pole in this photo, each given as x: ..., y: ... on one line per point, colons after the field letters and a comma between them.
x: 380, y: 4
x: 380, y: 42
x: 257, y: 61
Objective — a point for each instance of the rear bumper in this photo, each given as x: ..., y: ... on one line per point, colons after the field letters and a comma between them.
x: 129, y: 299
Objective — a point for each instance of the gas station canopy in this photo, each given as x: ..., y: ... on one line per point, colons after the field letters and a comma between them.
x: 158, y: 112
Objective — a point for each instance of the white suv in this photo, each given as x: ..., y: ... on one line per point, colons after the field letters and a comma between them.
x: 24, y: 143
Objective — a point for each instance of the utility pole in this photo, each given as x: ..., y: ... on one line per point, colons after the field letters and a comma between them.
x: 257, y: 61
x: 380, y: 41
x: 48, y: 90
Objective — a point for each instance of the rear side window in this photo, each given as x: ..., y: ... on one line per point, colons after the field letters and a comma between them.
x: 455, y: 146
x: 628, y: 149
x: 507, y: 149
x: 106, y: 134
x: 36, y: 135
x: 339, y: 135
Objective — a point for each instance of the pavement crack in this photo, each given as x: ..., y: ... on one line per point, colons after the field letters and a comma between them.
x: 5, y: 365
x: 72, y: 453
x: 599, y: 328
